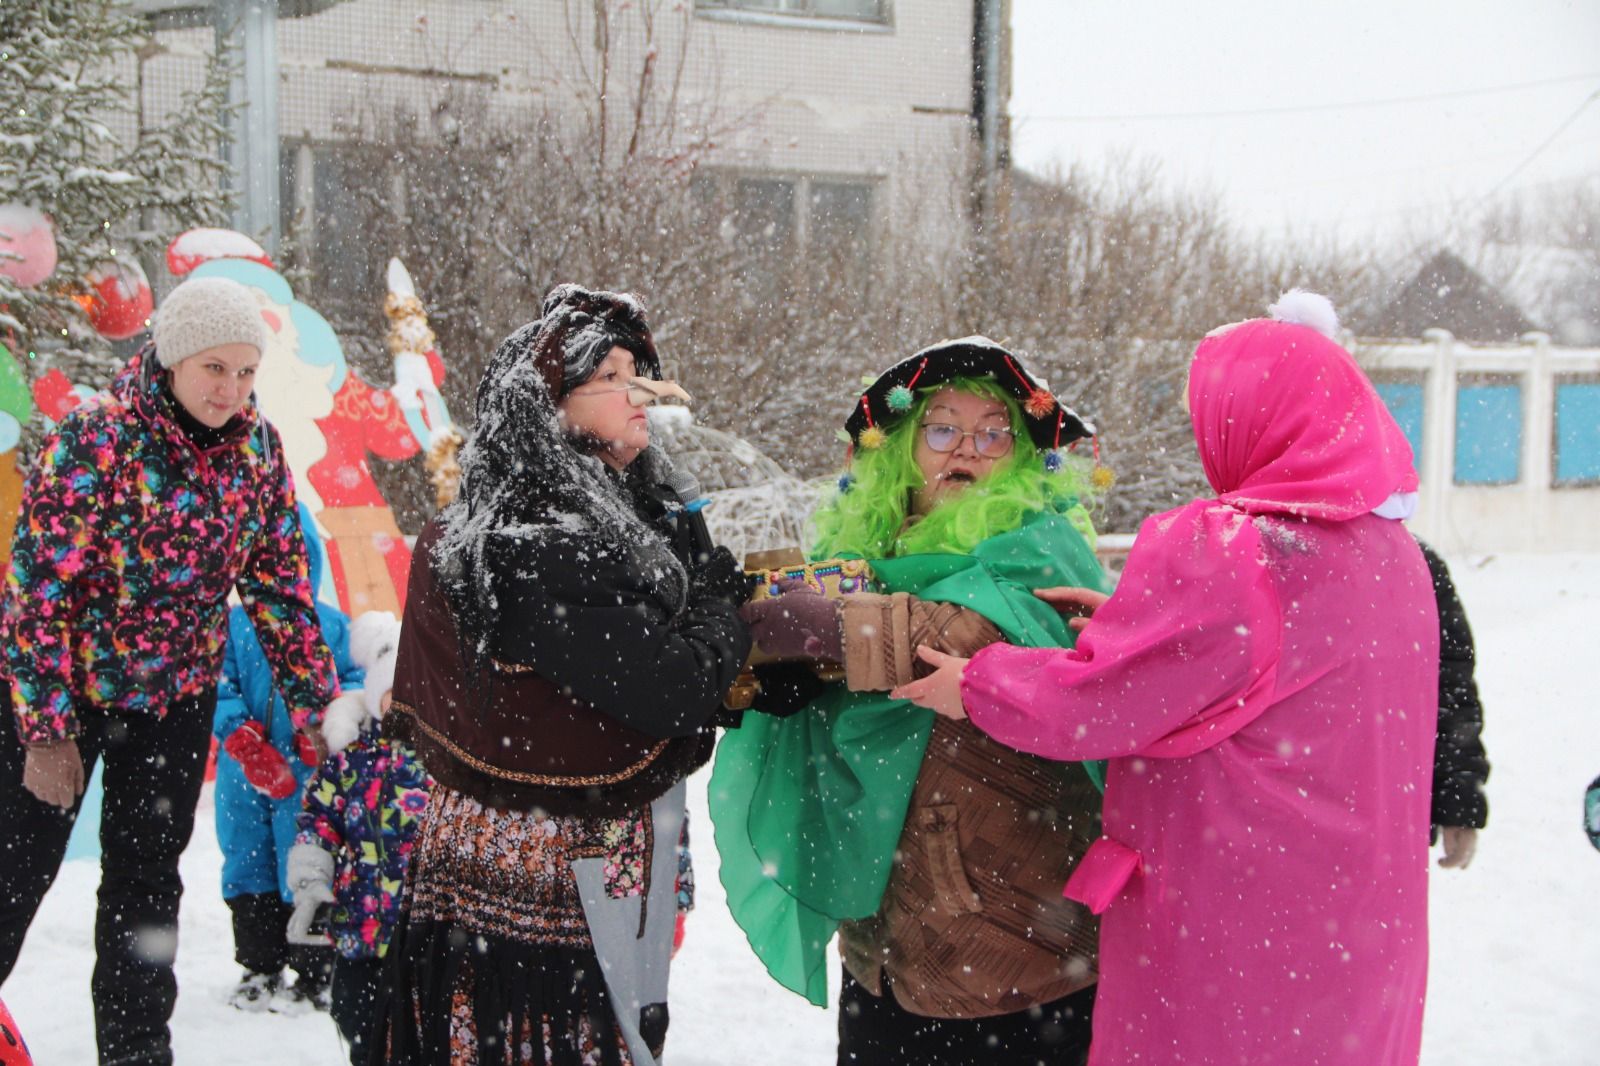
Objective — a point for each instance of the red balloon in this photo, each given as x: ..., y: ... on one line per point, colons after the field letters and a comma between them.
x: 122, y: 299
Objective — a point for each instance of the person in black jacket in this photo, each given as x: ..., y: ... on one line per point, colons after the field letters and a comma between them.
x: 563, y: 657
x: 1460, y: 766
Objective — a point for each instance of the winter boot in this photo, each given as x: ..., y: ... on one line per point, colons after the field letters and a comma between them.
x: 291, y: 1001
x: 313, y: 968
x: 255, y: 991
x: 307, y: 994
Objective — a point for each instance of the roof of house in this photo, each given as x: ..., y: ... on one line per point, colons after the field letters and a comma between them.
x: 1448, y: 294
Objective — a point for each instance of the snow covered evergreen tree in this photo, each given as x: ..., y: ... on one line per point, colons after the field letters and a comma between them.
x: 68, y: 88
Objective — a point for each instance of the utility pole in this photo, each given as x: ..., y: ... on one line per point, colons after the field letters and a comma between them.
x: 247, y: 39
x: 991, y: 94
x: 987, y: 192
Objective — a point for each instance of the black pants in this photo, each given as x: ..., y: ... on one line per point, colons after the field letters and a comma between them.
x: 355, y: 1002
x: 152, y: 778
x: 261, y: 943
x: 877, y: 1031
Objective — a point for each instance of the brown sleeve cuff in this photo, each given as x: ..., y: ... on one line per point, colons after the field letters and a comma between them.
x: 881, y: 635
x: 877, y: 648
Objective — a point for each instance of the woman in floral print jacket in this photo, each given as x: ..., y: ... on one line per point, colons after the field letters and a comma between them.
x: 149, y: 504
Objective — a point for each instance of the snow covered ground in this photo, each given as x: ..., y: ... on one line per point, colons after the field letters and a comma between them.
x: 1516, y: 938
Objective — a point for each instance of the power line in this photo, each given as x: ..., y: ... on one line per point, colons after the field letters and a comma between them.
x: 1483, y: 202
x: 1162, y: 116
x: 1430, y: 166
x: 1546, y: 143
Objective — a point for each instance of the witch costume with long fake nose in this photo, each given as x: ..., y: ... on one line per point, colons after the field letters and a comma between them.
x: 561, y: 660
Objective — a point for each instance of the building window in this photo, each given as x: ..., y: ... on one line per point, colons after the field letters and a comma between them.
x: 1404, y: 398
x: 764, y: 214
x: 1577, y: 429
x: 780, y: 214
x: 1488, y: 429
x: 844, y: 10
x: 840, y: 215
x: 331, y: 197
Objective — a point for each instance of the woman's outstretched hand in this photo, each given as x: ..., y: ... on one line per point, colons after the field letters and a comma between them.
x: 1072, y: 603
x: 940, y: 691
x: 54, y: 772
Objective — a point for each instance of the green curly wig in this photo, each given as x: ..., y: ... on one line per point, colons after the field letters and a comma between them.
x: 868, y: 518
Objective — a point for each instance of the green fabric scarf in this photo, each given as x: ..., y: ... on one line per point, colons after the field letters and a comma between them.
x: 807, y: 810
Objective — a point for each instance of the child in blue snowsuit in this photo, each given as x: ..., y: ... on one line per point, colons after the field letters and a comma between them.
x: 261, y: 771
x: 362, y: 810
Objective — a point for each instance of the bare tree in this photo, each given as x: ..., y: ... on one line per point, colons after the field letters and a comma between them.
x: 1542, y: 248
x: 1105, y: 279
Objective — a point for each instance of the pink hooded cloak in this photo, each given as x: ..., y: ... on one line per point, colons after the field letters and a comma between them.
x: 1264, y: 683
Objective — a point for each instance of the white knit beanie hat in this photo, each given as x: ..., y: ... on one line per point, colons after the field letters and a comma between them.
x: 205, y: 313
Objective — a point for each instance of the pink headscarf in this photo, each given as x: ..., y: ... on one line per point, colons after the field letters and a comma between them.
x: 1287, y: 423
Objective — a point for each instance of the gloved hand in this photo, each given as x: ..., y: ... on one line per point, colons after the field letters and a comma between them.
x: 343, y: 720
x: 310, y: 880
x: 786, y: 688
x: 1460, y: 844
x: 309, y: 746
x: 797, y: 624
x: 721, y: 577
x: 266, y: 770
x: 53, y: 772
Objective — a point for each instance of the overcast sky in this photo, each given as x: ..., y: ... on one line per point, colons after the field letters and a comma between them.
x: 1457, y: 97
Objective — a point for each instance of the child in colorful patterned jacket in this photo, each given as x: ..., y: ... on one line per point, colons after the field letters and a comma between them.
x: 362, y: 809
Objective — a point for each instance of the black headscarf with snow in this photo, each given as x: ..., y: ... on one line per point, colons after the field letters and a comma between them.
x: 524, y: 473
x: 577, y: 329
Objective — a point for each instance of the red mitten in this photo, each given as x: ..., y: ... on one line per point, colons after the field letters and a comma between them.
x: 266, y: 770
x: 306, y: 748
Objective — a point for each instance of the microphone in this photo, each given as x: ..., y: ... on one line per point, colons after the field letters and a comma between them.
x: 686, y: 487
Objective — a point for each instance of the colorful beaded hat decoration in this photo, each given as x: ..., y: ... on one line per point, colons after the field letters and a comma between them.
x: 1051, y: 424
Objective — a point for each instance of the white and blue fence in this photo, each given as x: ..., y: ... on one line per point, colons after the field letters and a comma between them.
x: 1507, y: 439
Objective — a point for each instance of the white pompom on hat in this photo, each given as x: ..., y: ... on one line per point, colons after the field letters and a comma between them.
x: 205, y: 313
x: 1305, y: 308
x: 374, y: 645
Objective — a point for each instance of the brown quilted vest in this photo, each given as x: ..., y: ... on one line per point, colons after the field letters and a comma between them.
x: 973, y: 923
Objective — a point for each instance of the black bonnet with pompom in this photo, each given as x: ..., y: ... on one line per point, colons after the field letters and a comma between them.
x: 1051, y: 424
x: 577, y: 329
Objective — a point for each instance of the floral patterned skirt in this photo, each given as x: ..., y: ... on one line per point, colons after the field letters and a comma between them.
x: 492, y: 961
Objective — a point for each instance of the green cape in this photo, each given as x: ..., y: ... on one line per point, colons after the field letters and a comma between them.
x: 807, y: 810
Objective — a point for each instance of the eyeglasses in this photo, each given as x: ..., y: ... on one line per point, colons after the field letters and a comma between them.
x: 641, y: 391
x: 990, y: 443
